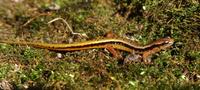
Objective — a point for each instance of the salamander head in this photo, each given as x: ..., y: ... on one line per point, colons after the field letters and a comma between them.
x: 164, y: 41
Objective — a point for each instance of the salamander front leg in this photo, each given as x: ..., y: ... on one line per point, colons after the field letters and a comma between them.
x: 147, y: 57
x: 132, y: 58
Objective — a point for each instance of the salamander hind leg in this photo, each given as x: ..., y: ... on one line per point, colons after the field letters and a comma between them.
x: 114, y: 52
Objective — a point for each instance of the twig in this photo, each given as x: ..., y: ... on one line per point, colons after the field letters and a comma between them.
x: 30, y: 20
x: 68, y: 26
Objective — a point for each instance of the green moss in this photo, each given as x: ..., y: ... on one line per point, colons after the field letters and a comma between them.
x: 5, y: 70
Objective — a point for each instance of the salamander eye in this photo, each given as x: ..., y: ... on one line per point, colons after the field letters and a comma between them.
x: 166, y: 42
